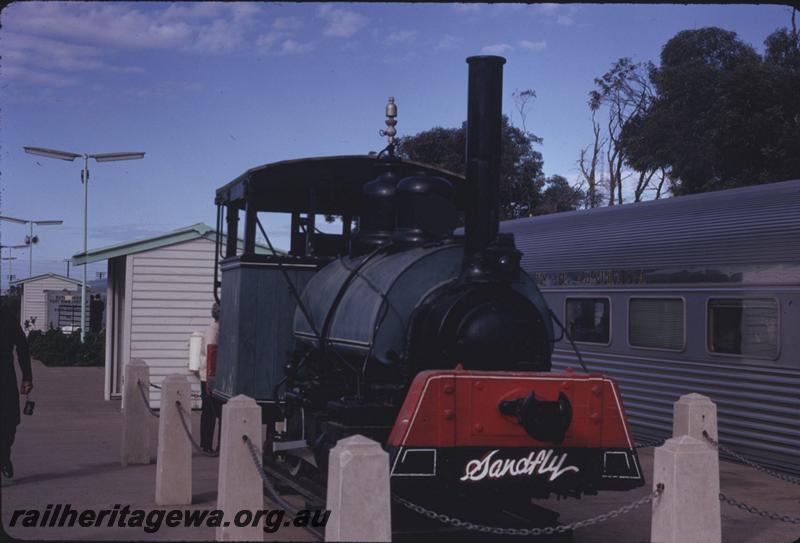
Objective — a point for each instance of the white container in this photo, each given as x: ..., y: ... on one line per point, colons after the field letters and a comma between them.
x: 195, y: 347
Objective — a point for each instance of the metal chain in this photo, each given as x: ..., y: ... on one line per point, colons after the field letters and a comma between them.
x: 197, y: 447
x: 757, y: 511
x: 195, y: 395
x: 748, y: 462
x: 646, y: 444
x: 146, y: 401
x: 271, y: 490
x: 547, y: 530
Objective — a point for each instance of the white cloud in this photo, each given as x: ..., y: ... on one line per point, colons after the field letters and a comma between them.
x: 287, y: 23
x: 281, y: 39
x: 548, y: 8
x: 36, y: 59
x: 448, y: 42
x: 532, y: 45
x: 497, y: 49
x: 220, y: 36
x: 561, y: 14
x: 192, y: 10
x: 203, y: 26
x: 340, y: 22
x: 565, y: 20
x: 41, y: 37
x: 171, y: 88
x: 293, y: 47
x: 466, y: 8
x: 19, y: 73
x: 126, y: 69
x: 283, y: 43
x: 101, y: 24
x: 400, y: 36
x: 266, y: 41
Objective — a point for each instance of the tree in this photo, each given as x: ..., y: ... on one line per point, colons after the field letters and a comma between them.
x: 621, y: 94
x: 782, y: 66
x: 588, y: 162
x: 560, y: 196
x: 522, y: 101
x: 624, y: 91
x: 722, y: 116
x: 783, y: 49
x: 521, y: 176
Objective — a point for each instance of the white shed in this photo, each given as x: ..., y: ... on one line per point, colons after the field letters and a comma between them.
x: 33, y: 304
x: 160, y: 290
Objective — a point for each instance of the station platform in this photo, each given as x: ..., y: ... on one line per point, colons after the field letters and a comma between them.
x: 68, y: 453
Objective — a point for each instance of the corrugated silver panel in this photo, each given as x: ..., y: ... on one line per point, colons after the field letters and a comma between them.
x: 758, y: 408
x: 751, y: 225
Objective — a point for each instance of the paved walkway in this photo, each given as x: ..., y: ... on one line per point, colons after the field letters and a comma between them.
x: 68, y: 452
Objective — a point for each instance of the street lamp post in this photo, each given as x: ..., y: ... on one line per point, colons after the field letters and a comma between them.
x: 10, y: 269
x: 100, y: 157
x: 31, y: 239
x: 9, y: 258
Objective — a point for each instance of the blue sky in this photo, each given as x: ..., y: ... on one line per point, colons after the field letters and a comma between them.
x: 209, y: 90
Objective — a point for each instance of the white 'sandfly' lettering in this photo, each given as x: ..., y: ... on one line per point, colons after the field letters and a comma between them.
x: 542, y: 463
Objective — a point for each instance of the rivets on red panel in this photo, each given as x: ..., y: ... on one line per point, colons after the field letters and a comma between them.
x: 566, y: 385
x: 597, y: 390
x: 448, y: 389
x: 478, y: 427
x: 596, y: 418
x: 479, y: 385
x: 449, y: 414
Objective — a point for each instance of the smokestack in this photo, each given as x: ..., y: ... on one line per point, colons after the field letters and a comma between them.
x: 484, y: 126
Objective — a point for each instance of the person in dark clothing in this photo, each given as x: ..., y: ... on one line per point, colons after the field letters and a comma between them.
x: 11, y: 336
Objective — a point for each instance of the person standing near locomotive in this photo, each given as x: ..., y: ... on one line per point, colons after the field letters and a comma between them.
x: 207, y: 370
x: 11, y: 336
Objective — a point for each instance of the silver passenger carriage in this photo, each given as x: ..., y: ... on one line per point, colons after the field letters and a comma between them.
x: 697, y: 293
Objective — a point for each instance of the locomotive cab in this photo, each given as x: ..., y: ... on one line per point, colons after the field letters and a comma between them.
x: 262, y: 288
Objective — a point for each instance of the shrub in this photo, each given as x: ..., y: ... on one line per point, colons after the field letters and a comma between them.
x: 55, y: 348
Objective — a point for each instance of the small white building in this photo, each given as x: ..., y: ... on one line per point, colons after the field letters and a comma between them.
x: 33, y: 303
x: 160, y: 290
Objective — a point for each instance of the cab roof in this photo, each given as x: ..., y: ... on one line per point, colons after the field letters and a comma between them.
x: 325, y: 185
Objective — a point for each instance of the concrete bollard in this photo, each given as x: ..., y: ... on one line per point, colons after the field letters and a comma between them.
x: 174, y: 460
x: 359, y: 497
x: 135, y: 448
x: 692, y: 414
x: 239, y: 485
x: 688, y: 510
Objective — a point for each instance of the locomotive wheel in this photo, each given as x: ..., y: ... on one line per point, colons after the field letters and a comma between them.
x: 296, y: 466
x: 322, y: 448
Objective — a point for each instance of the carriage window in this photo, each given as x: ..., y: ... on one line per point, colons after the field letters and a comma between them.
x: 656, y: 323
x: 588, y: 319
x: 747, y: 327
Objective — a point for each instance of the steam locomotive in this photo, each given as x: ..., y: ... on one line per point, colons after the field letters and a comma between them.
x: 436, y: 344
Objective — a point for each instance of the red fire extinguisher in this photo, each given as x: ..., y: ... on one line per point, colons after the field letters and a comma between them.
x: 211, y: 360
